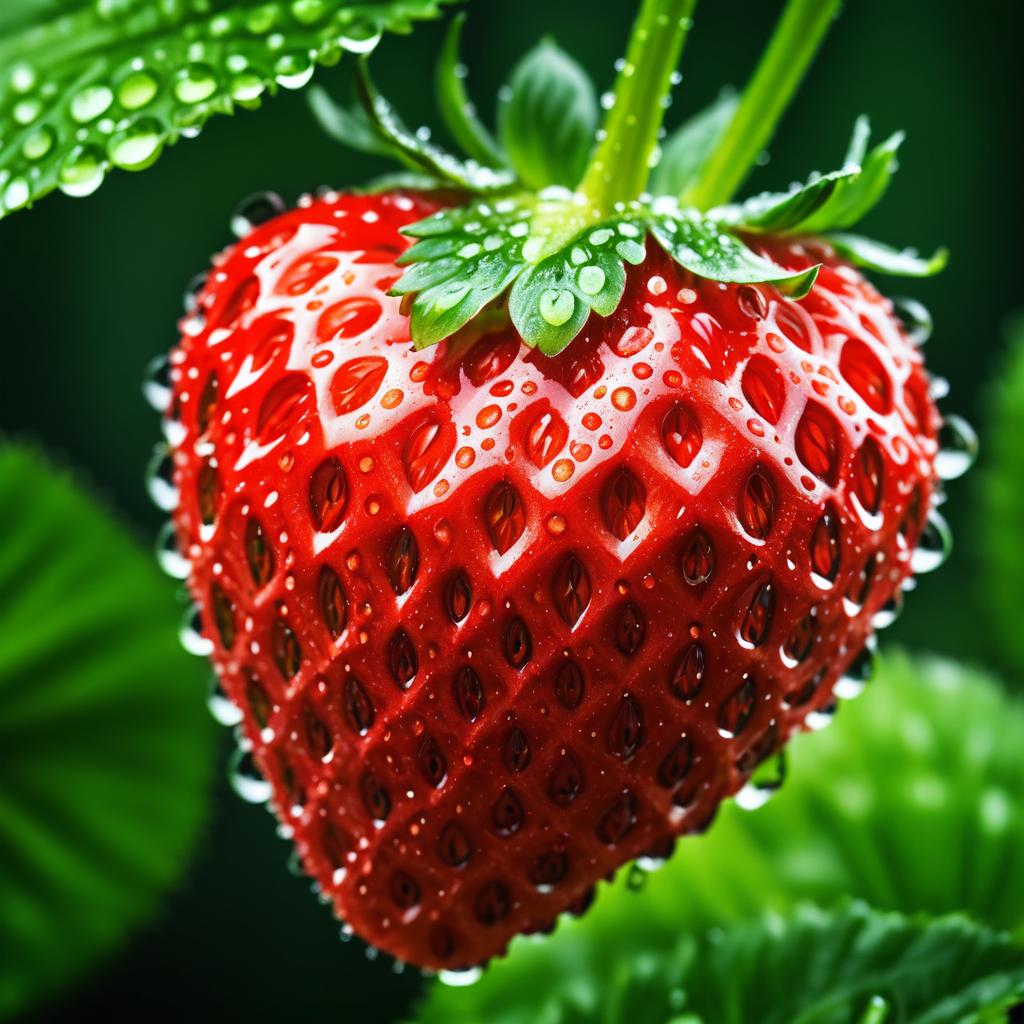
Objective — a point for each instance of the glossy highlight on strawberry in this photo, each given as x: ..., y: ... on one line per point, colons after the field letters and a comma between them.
x: 498, y: 623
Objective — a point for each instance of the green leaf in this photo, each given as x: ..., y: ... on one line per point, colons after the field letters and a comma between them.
x: 547, y: 118
x: 997, y: 523
x: 455, y: 105
x: 551, y: 300
x: 872, y: 255
x: 826, y: 202
x: 105, y: 743
x: 704, y: 248
x: 464, y: 259
x: 89, y: 87
x: 348, y: 125
x: 418, y: 153
x: 810, y: 967
x: 685, y: 151
x: 910, y: 800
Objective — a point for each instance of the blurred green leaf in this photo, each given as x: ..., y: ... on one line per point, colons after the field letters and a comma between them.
x: 547, y: 117
x: 685, y: 151
x: 851, y: 966
x: 105, y: 743
x: 912, y: 800
x: 86, y: 87
x: 998, y: 523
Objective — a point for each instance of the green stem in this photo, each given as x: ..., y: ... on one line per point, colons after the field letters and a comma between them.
x: 618, y: 170
x: 796, y: 40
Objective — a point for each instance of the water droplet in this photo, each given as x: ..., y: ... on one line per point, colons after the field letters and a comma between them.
x: 194, y: 83
x: 168, y: 556
x: 136, y: 90
x: 958, y: 448
x: 81, y: 171
x: 246, y: 781
x: 160, y: 480
x: 590, y: 280
x: 137, y: 146
x: 556, y: 306
x: 38, y: 144
x: 90, y: 103
x: 253, y: 210
x: 856, y: 676
x: 933, y: 546
x: 293, y: 70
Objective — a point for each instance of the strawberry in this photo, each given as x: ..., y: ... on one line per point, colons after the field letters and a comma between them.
x: 521, y: 545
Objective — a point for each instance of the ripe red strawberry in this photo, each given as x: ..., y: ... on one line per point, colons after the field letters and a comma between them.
x: 499, y: 622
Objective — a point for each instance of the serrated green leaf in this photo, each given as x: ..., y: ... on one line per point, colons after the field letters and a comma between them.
x: 547, y: 118
x: 911, y: 800
x: 810, y: 966
x: 872, y: 255
x: 998, y: 515
x: 464, y: 259
x: 89, y: 87
x: 708, y: 250
x: 551, y: 301
x: 456, y: 107
x: 684, y: 152
x: 105, y: 744
x: 418, y: 153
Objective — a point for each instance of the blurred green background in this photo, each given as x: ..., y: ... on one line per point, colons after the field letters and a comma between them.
x: 91, y: 291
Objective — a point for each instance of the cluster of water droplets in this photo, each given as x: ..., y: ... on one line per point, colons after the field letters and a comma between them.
x: 189, y: 63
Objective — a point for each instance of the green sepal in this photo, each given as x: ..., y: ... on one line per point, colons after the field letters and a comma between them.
x: 708, y: 250
x: 348, y: 125
x: 826, y: 202
x: 547, y: 117
x: 685, y: 151
x: 884, y: 259
x: 421, y: 155
x: 551, y: 301
x: 463, y: 259
x: 456, y: 108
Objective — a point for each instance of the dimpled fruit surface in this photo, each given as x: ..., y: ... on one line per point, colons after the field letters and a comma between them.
x: 498, y: 623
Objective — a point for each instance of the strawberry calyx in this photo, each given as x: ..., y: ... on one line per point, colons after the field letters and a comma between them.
x: 553, y: 209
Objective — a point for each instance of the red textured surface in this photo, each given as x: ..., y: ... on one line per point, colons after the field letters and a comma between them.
x: 499, y: 623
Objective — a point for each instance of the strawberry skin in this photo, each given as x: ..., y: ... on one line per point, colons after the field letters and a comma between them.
x: 499, y: 623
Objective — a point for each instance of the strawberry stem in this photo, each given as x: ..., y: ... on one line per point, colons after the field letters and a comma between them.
x: 619, y: 167
x: 793, y: 45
